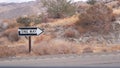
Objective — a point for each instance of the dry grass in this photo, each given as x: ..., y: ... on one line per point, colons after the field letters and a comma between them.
x: 116, y: 12
x: 6, y: 51
x: 70, y: 33
x: 65, y: 21
x: 113, y: 4
x: 54, y: 47
x: 65, y: 47
x: 48, y: 45
x: 4, y: 41
x: 41, y: 38
x: 11, y: 23
x: 62, y: 22
x: 11, y: 34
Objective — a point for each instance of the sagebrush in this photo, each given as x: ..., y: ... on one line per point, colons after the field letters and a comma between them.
x: 59, y: 8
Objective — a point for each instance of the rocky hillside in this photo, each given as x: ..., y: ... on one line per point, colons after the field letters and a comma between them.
x: 13, y: 10
x: 94, y: 29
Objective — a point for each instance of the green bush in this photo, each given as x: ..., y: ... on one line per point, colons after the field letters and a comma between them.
x: 92, y: 2
x: 59, y: 8
x: 24, y: 21
x: 37, y: 20
x: 40, y: 19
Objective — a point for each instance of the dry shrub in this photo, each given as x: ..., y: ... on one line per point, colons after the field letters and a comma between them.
x: 114, y: 4
x: 65, y: 22
x: 87, y: 50
x: 3, y: 40
x: 6, y: 52
x: 69, y: 33
x: 98, y: 49
x: 82, y: 7
x: 115, y: 48
x: 56, y: 47
x: 9, y: 23
x: 104, y: 48
x: 11, y: 34
x: 41, y: 38
x: 60, y: 46
x: 20, y: 50
x: 40, y: 18
x: 97, y: 18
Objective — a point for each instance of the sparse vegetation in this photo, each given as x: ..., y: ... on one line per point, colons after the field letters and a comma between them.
x: 59, y: 8
x: 24, y: 21
x: 70, y: 33
x: 6, y: 51
x: 42, y: 18
x: 78, y: 33
x: 92, y: 2
x: 11, y: 34
x: 116, y: 12
x: 37, y: 20
x: 57, y: 46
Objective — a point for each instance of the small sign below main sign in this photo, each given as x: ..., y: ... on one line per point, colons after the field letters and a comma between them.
x: 29, y: 31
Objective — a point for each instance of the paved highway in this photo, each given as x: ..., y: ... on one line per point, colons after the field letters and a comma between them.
x: 101, y: 59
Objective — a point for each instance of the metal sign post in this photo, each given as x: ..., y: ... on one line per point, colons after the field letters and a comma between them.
x: 29, y: 44
x: 29, y: 31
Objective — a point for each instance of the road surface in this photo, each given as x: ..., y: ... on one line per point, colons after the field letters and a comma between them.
x: 101, y: 59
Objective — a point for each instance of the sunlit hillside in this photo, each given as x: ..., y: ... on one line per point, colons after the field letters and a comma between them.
x: 93, y: 29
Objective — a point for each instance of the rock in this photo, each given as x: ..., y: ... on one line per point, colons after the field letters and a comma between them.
x: 3, y: 26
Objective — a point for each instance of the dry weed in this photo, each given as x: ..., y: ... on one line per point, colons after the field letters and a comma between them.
x: 97, y: 18
x: 56, y: 47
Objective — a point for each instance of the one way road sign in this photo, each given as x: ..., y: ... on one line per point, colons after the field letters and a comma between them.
x: 29, y: 31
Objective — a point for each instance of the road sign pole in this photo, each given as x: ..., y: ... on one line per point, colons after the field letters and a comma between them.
x: 29, y: 31
x: 29, y: 44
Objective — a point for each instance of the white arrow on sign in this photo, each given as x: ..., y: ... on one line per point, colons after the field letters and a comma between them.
x: 39, y: 31
x: 29, y: 31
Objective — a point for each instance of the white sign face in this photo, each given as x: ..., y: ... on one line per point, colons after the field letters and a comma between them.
x: 29, y: 31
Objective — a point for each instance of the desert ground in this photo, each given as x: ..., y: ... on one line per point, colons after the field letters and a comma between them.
x: 94, y: 29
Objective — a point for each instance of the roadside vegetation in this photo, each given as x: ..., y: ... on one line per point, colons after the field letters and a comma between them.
x: 59, y: 8
x: 68, y: 29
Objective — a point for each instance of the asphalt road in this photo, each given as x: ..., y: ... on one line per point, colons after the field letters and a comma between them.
x: 101, y: 59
